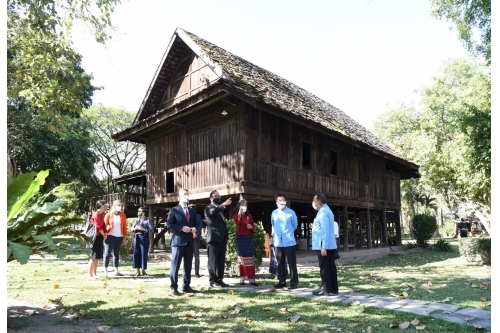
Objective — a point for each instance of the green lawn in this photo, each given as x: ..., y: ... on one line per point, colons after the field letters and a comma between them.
x: 129, y: 303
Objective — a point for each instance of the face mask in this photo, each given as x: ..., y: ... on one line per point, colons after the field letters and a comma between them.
x: 217, y: 201
x: 243, y: 208
x: 119, y: 208
x: 282, y: 204
x: 314, y: 206
x: 139, y: 214
x: 185, y: 198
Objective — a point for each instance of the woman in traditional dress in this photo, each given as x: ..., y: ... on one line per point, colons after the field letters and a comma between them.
x: 245, y: 229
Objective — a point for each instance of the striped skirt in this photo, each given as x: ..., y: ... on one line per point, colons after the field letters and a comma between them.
x: 246, y: 261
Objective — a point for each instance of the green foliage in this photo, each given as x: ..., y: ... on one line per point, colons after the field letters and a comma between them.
x: 391, y: 239
x: 31, y: 226
x: 114, y: 157
x: 231, y: 265
x: 469, y: 18
x: 128, y: 249
x: 471, y: 247
x: 442, y: 245
x: 411, y: 245
x: 424, y: 226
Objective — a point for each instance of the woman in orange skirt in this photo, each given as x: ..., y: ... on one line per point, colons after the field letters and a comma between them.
x: 245, y: 229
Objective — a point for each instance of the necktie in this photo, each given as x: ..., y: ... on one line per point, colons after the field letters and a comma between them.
x: 186, y: 213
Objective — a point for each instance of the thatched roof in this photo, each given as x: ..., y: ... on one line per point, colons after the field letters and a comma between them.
x: 260, y: 84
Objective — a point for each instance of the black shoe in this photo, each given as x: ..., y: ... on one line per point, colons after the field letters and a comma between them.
x: 321, y: 292
x: 175, y: 292
x: 224, y: 285
x: 255, y: 284
x: 197, y: 275
x: 242, y: 283
x: 293, y: 286
x: 279, y: 285
x: 215, y: 285
x: 189, y: 290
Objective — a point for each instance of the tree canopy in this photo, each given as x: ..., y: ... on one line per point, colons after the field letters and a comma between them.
x: 469, y: 17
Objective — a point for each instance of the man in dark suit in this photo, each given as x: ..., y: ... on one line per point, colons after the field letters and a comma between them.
x: 216, y: 239
x: 182, y: 221
x: 196, y: 246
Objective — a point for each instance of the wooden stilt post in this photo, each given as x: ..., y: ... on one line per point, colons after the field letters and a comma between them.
x: 368, y: 230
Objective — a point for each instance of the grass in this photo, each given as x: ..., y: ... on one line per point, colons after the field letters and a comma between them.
x: 146, y: 304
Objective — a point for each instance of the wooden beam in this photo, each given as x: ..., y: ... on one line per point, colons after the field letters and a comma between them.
x: 368, y: 229
x: 345, y: 229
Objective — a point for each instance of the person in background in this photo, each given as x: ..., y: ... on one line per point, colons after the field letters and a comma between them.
x: 462, y: 227
x: 142, y: 227
x: 217, y: 238
x: 323, y: 241
x: 284, y: 222
x: 245, y: 228
x: 196, y: 245
x: 182, y: 221
x: 96, y: 253
x: 115, y: 224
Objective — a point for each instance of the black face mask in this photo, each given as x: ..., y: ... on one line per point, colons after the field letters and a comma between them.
x: 217, y: 201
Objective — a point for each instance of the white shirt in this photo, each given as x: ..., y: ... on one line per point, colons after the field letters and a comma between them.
x: 117, y: 231
x: 336, y: 229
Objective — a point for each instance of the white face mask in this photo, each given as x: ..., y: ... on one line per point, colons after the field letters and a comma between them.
x: 243, y: 209
x: 282, y: 205
x: 119, y: 208
x: 185, y: 198
x: 314, y: 206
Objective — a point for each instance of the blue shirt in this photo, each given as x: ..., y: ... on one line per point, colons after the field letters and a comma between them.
x: 146, y: 224
x: 323, y: 230
x: 284, y: 223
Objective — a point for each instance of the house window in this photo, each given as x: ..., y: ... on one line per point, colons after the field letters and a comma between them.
x: 170, y: 182
x: 306, y: 156
x: 333, y: 163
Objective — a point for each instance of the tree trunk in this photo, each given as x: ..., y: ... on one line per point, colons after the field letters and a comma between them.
x: 11, y: 167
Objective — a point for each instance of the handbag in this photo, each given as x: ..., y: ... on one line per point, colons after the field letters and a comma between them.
x: 90, y: 231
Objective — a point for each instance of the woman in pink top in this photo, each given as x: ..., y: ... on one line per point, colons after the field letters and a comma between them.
x: 245, y: 229
x: 98, y: 247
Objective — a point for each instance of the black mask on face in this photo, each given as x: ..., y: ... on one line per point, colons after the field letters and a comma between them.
x: 217, y: 201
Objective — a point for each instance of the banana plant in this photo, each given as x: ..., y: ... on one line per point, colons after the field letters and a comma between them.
x: 32, y: 224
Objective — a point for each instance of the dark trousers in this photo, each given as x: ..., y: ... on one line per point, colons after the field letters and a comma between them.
x: 284, y: 255
x: 328, y: 271
x: 141, y: 248
x: 216, y: 261
x: 196, y: 254
x: 179, y: 253
x: 114, y: 244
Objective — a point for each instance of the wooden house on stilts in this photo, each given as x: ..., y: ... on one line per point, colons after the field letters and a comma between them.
x: 212, y: 120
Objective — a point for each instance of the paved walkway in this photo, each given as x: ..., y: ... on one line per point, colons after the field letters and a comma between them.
x: 306, y: 259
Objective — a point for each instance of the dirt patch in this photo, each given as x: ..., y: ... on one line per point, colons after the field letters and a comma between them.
x: 24, y: 317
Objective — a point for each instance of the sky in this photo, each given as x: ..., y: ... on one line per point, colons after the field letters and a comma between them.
x: 363, y: 56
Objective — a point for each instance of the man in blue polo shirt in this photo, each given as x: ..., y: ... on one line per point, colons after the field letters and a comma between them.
x: 323, y: 241
x: 284, y: 222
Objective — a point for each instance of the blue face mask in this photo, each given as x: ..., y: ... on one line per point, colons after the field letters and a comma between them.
x: 139, y: 214
x: 217, y: 201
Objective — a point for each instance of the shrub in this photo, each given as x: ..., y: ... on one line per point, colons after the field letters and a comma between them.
x: 128, y: 248
x: 442, y: 245
x: 411, y: 245
x: 471, y: 247
x: 231, y: 266
x: 391, y: 239
x: 424, y: 226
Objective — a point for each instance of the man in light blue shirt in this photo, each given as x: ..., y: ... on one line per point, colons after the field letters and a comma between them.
x: 284, y: 222
x: 323, y: 241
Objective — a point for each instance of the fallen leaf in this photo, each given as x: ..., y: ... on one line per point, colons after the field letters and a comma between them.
x: 251, y: 301
x: 230, y: 292
x: 314, y: 329
x: 174, y: 315
x: 133, y: 315
x: 474, y: 286
x: 55, y: 286
x: 189, y: 294
x: 139, y: 301
x: 72, y: 317
x: 103, y: 328
x: 394, y: 325
x: 273, y: 290
x: 190, y: 314
x: 404, y: 325
x: 353, y: 325
x: 266, y: 309
x: 478, y: 326
x: 420, y: 328
x: 246, y: 320
x: 431, y: 291
x: 363, y: 320
x: 45, y: 306
x: 171, y: 306
x: 284, y: 309
x: 483, y: 299
x: 415, y: 322
x: 294, y: 319
x: 183, y: 318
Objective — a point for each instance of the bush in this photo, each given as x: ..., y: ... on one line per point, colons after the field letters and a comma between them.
x: 128, y: 248
x: 424, y: 226
x: 471, y: 247
x: 411, y: 245
x: 442, y: 245
x: 231, y: 266
x: 391, y: 239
